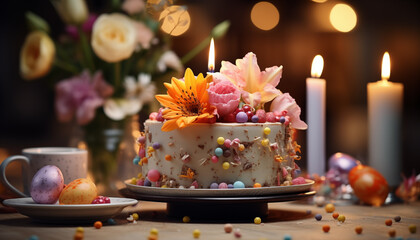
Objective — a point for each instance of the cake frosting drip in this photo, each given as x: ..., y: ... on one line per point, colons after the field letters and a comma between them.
x: 184, y: 156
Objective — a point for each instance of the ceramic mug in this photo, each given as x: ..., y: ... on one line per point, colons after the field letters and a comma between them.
x: 71, y: 161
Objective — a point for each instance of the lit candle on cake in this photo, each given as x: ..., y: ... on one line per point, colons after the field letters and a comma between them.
x: 211, y: 57
x: 315, y: 105
x: 384, y: 113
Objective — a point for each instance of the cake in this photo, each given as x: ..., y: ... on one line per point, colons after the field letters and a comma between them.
x: 213, y: 131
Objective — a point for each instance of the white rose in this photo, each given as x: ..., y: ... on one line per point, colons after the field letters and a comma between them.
x: 114, y: 37
x: 71, y: 11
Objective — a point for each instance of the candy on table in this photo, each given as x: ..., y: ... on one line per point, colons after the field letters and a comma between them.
x: 257, y: 220
x: 78, y: 236
x: 97, y: 224
x: 186, y: 219
x: 388, y: 222
x: 412, y: 228
x: 326, y: 228
x: 257, y: 185
x: 228, y: 228
x: 329, y: 208
x: 287, y: 237
x: 397, y: 218
x: 359, y: 229
x: 335, y: 215
x: 214, y: 186
x: 318, y: 217
x: 237, y: 233
x: 341, y: 218
x: 135, y: 216
x: 154, y: 231
x: 392, y: 233
x: 111, y: 221
x: 196, y: 233
x: 223, y: 185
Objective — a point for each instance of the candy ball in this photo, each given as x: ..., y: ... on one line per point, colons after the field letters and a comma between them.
x: 342, y: 162
x: 326, y: 228
x: 254, y: 119
x: 358, y: 229
x: 141, y: 139
x: 153, y: 175
x: 214, y: 186
x: 227, y: 143
x: 214, y: 159
x: 241, y: 117
x: 341, y: 218
x: 397, y: 218
x: 318, y: 217
x: 220, y: 140
x: 97, y: 224
x: 186, y: 219
x: 226, y: 165
x: 196, y: 233
x: 47, y: 185
x: 329, y: 208
x: 223, y: 185
x: 412, y: 228
x: 156, y: 145
x: 79, y: 191
x: 228, y: 228
x: 218, y: 152
x: 136, y: 160
x: 238, y: 184
x: 368, y: 185
x: 388, y: 222
x: 257, y: 220
x: 230, y: 186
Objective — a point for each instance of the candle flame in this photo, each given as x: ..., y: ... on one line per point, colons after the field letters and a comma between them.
x: 211, y: 56
x: 317, y: 66
x: 386, y: 67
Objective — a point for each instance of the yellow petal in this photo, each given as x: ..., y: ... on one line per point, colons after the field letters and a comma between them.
x: 169, y: 125
x: 166, y: 100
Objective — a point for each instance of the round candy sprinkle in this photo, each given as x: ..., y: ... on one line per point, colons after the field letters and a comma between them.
x: 133, y: 180
x: 335, y: 215
x: 257, y: 185
x: 318, y: 217
x: 392, y: 233
x: 246, y: 108
x: 241, y: 117
x: 136, y: 160
x: 326, y: 228
x: 227, y: 143
x: 147, y: 182
x: 97, y: 224
x: 254, y: 119
x: 214, y: 159
x: 214, y: 186
x: 186, y: 219
x: 329, y: 208
x: 78, y: 236
x: 230, y: 186
x: 223, y: 185
x: 226, y: 165
x: 111, y: 221
x: 341, y: 218
x: 241, y: 147
x: 358, y: 229
x: 141, y: 139
x: 287, y: 237
x: 228, y: 228
x: 135, y: 216
x: 237, y: 233
x: 238, y: 184
x: 33, y: 237
x: 218, y: 152
x: 154, y: 231
x: 412, y: 228
x: 80, y: 229
x: 257, y: 220
x: 388, y: 222
x: 196, y: 233
x: 156, y: 145
x: 153, y: 175
x: 397, y: 218
x: 220, y: 140
x: 267, y: 131
x: 227, y: 153
x: 282, y: 119
x: 265, y: 142
x: 152, y: 237
x: 168, y: 157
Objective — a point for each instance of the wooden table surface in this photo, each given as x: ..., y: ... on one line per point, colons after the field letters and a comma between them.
x: 292, y: 218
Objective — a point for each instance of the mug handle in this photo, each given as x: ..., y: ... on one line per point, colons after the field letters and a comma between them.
x: 3, y: 178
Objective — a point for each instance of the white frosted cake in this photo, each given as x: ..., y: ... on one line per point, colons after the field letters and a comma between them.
x: 213, y: 132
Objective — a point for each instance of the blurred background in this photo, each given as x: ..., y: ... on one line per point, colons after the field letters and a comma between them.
x: 288, y: 33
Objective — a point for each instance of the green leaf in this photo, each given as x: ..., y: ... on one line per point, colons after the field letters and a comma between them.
x: 35, y: 22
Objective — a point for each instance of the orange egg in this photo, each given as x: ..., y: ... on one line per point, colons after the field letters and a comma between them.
x: 79, y: 191
x: 368, y: 185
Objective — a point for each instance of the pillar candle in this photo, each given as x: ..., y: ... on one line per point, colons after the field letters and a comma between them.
x: 384, y: 115
x: 315, y: 105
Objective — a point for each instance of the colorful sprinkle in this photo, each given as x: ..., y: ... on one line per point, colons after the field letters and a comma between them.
x: 214, y: 159
x: 282, y: 119
x: 141, y: 139
x: 257, y: 220
x: 154, y: 231
x: 111, y: 221
x: 142, y: 153
x: 257, y: 185
x: 156, y: 145
x: 33, y: 237
x: 227, y: 143
x: 80, y: 229
x: 133, y: 180
x: 214, y: 186
x: 388, y: 222
x: 78, y: 236
x: 186, y: 219
x: 237, y: 233
x: 267, y: 131
x: 241, y: 117
x: 326, y: 228
x: 359, y: 229
x: 335, y: 215
x: 168, y: 157
x: 392, y: 233
x: 196, y: 233
x: 228, y: 228
x: 265, y: 142
x: 226, y: 165
x: 223, y: 185
x: 218, y: 152
x: 136, y: 160
x: 153, y: 175
x: 97, y: 224
x: 227, y: 153
x: 241, y: 147
x: 397, y: 218
x: 329, y: 208
x: 341, y: 218
x: 220, y: 140
x: 135, y: 216
x: 412, y: 228
x: 238, y: 184
x: 318, y: 217
x: 287, y: 237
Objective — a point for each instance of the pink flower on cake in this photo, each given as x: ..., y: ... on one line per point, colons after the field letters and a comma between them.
x: 257, y: 87
x: 224, y: 96
x: 80, y: 96
x: 285, y: 102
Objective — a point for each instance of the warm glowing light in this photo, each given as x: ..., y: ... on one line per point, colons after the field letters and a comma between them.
x: 265, y: 16
x: 386, y: 67
x: 317, y: 66
x: 176, y: 20
x: 343, y: 17
x: 319, y: 1
x: 211, y: 56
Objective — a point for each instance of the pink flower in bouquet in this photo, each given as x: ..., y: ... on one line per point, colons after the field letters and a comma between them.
x: 285, y: 102
x: 133, y: 6
x: 257, y: 87
x: 224, y: 96
x: 144, y: 34
x: 80, y: 95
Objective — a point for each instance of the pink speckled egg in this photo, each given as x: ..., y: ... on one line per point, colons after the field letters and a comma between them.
x: 153, y: 175
x: 47, y: 185
x: 79, y: 191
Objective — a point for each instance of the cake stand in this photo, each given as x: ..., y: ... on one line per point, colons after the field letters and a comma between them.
x: 217, y: 206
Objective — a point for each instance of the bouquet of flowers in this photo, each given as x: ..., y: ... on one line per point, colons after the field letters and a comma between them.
x: 104, y: 64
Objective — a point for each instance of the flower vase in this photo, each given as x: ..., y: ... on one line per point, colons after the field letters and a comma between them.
x: 111, y: 146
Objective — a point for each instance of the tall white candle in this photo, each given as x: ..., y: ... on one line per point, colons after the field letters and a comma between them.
x: 384, y: 113
x: 315, y: 105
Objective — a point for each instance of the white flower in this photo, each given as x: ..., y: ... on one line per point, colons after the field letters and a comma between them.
x: 137, y: 93
x: 114, y: 37
x: 72, y: 11
x: 171, y: 60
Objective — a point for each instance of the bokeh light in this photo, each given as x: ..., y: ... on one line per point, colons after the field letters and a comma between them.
x: 319, y: 1
x: 343, y: 18
x: 265, y: 16
x: 176, y: 20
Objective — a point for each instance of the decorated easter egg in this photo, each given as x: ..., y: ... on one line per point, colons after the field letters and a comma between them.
x: 79, y: 191
x: 368, y: 185
x: 342, y: 162
x: 47, y: 185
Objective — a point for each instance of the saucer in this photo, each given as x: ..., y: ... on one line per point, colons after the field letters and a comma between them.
x: 69, y: 213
